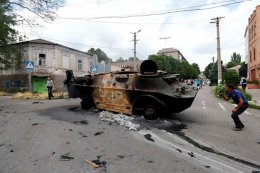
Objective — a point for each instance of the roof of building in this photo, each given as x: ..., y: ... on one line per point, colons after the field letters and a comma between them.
x: 168, y: 50
x: 42, y: 41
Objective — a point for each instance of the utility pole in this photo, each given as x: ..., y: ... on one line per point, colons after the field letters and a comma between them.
x: 135, y: 41
x: 165, y: 38
x: 216, y: 20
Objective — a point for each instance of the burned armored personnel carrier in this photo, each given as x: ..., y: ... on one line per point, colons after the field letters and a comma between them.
x: 149, y: 93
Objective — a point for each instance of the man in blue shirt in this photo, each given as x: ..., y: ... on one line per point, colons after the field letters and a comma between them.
x: 242, y: 105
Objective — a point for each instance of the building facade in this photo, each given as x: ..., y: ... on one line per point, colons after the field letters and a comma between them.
x: 254, y: 45
x: 172, y: 52
x: 49, y: 59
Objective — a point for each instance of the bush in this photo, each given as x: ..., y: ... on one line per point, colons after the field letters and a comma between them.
x: 232, y: 78
x: 253, y: 82
x: 220, y: 89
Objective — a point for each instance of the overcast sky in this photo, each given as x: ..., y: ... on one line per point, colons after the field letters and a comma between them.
x: 83, y: 24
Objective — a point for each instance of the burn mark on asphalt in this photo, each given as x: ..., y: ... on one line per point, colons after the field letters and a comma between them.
x: 211, y: 150
x: 150, y: 161
x: 149, y: 137
x: 98, y: 133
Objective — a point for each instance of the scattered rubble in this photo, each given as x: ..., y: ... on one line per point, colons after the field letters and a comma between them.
x: 179, y: 150
x: 121, y: 119
x: 83, y: 135
x: 191, y: 154
x: 98, y: 133
x: 66, y: 157
x: 149, y: 137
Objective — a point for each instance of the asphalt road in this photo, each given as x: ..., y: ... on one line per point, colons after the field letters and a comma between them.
x: 57, y: 136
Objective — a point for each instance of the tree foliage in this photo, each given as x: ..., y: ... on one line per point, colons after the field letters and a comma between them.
x: 232, y: 78
x: 234, y: 61
x: 10, y: 17
x: 102, y: 56
x: 207, y: 69
x: 173, y: 66
x: 213, y: 74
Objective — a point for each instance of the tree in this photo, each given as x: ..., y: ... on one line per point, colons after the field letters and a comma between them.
x: 213, y: 74
x: 102, y: 56
x: 236, y: 58
x: 207, y: 69
x: 120, y: 59
x: 173, y: 66
x: 133, y: 59
x: 10, y: 17
x: 196, y: 69
x: 234, y: 61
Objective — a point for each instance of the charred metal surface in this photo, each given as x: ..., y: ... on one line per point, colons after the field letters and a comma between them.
x: 132, y: 92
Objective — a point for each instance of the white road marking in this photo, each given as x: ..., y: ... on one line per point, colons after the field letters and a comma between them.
x: 246, y: 112
x: 222, y: 107
x: 203, y: 104
x: 202, y: 158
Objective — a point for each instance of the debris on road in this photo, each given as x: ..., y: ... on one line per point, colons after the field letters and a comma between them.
x: 37, y: 102
x: 92, y: 164
x: 149, y: 137
x: 81, y: 122
x: 191, y: 154
x: 207, y: 166
x: 66, y: 157
x: 179, y: 150
x: 11, y: 151
x: 98, y: 133
x: 83, y: 135
x: 121, y: 119
x: 258, y: 141
x: 35, y: 124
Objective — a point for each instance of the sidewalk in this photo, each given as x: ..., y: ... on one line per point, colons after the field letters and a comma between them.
x: 255, y: 95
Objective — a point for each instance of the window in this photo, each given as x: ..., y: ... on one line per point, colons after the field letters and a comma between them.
x: 250, y: 56
x: 254, y: 54
x: 42, y: 59
x: 255, y: 29
x: 79, y: 64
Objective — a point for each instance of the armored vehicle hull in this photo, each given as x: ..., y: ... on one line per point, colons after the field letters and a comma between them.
x: 147, y: 93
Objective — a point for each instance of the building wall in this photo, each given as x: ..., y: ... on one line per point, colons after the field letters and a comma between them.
x: 55, y: 65
x: 254, y: 45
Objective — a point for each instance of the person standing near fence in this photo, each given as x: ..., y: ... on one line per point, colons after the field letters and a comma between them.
x: 50, y: 86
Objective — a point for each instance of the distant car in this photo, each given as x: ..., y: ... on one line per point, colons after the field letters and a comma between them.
x: 147, y: 93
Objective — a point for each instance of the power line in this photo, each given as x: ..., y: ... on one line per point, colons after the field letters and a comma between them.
x: 77, y: 43
x: 91, y: 2
x: 194, y: 8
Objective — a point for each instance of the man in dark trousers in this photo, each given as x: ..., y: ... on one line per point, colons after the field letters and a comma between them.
x: 242, y: 105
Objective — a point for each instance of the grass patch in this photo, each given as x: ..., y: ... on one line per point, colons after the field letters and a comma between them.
x: 3, y: 93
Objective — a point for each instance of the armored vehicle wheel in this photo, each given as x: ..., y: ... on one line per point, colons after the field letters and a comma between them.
x: 151, y: 112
